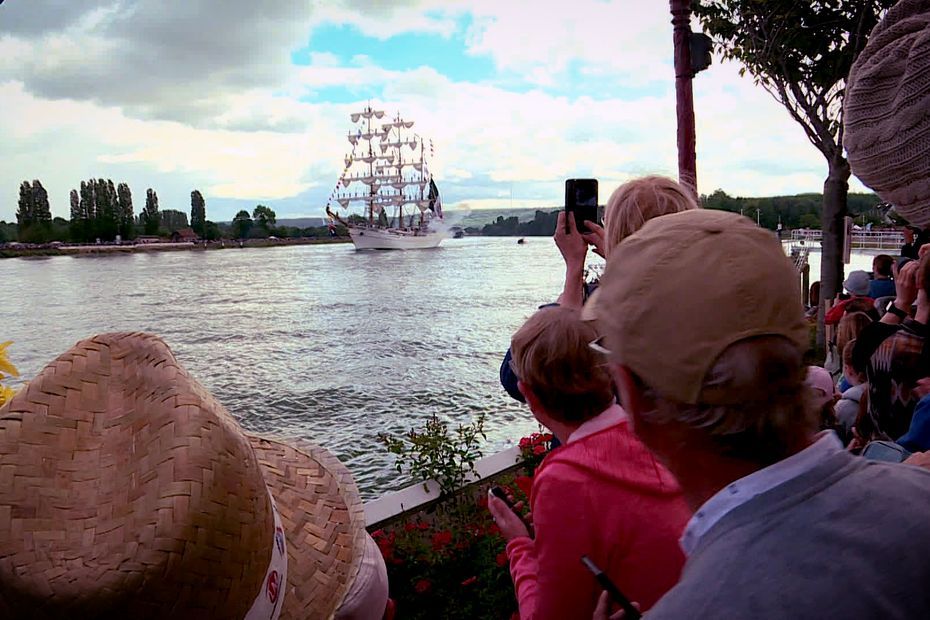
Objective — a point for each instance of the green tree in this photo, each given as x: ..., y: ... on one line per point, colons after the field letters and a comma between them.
x: 33, y: 215
x: 173, y: 220
x: 151, y: 219
x: 127, y: 224
x: 211, y: 231
x: 198, y: 213
x: 77, y: 219
x: 25, y: 212
x: 42, y: 212
x: 801, y: 53
x: 264, y: 217
x: 242, y: 224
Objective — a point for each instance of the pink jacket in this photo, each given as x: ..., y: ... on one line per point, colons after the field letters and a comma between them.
x: 606, y: 497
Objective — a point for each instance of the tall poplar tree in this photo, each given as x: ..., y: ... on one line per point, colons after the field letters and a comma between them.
x: 198, y: 213
x: 151, y: 218
x: 42, y: 212
x: 25, y: 212
x: 127, y: 227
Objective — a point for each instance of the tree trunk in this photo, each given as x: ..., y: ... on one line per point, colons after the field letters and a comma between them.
x: 832, y: 220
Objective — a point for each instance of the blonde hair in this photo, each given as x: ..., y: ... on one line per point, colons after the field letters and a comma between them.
x: 849, y: 328
x: 551, y: 356
x: 638, y: 201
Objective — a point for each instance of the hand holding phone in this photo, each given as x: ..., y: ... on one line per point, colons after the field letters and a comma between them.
x: 581, y: 202
x: 630, y: 612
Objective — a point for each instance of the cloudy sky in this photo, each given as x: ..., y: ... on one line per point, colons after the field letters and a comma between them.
x: 248, y: 100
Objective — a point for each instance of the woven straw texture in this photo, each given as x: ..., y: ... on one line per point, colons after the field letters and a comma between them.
x: 887, y: 111
x: 127, y: 491
x: 324, y: 523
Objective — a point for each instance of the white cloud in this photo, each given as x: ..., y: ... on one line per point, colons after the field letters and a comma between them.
x: 170, y: 107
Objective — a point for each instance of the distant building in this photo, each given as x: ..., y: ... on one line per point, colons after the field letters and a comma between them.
x: 185, y: 234
x: 148, y: 239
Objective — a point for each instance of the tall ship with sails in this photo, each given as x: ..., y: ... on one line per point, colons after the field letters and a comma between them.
x: 387, y: 175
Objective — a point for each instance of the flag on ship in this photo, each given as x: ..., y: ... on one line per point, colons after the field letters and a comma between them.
x: 435, y: 201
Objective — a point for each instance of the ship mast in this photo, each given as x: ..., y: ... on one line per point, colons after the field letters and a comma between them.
x: 400, y: 172
x: 371, y: 169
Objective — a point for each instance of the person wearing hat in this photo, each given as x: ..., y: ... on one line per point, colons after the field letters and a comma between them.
x: 128, y: 491
x: 857, y: 285
x: 785, y: 519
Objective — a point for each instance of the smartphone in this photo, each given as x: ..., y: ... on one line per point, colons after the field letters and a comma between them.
x: 499, y: 493
x: 630, y: 612
x: 886, y: 451
x: 581, y: 202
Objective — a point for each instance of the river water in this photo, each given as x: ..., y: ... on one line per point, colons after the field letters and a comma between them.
x: 320, y: 342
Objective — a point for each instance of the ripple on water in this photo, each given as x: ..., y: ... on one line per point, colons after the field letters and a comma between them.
x: 317, y: 342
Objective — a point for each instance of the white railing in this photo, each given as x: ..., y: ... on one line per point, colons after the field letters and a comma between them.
x: 890, y: 240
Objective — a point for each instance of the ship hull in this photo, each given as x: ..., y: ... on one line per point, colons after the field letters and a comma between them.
x: 392, y: 239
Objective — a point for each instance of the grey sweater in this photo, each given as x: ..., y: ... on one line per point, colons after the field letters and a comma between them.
x: 848, y: 539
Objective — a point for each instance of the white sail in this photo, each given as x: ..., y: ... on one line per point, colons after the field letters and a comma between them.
x: 353, y: 138
x: 368, y: 158
x: 344, y: 203
x: 379, y: 114
x: 355, y: 116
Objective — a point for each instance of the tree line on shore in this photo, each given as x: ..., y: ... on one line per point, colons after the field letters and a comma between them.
x: 799, y: 211
x: 101, y: 210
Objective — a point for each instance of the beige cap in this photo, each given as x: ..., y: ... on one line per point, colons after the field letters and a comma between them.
x: 685, y: 287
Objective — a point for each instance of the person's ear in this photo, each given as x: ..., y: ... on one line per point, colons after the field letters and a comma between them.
x: 631, y: 394
x: 531, y: 399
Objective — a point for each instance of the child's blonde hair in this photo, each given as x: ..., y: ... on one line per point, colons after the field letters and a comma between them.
x: 551, y: 356
x: 636, y: 202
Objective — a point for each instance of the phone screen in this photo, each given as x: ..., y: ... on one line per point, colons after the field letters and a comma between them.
x: 581, y: 200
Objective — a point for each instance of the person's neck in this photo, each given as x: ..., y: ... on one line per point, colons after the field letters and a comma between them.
x: 715, y: 471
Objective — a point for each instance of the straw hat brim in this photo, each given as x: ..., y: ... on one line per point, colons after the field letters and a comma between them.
x: 323, y: 520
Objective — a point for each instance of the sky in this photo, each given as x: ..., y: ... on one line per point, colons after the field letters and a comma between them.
x: 248, y: 101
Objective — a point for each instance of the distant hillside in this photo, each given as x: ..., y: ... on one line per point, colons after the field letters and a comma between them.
x: 480, y: 217
x: 301, y: 222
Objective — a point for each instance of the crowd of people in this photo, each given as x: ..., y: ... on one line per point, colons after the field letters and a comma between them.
x: 698, y: 461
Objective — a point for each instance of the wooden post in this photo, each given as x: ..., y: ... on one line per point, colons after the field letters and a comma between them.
x: 806, y: 284
x: 687, y: 164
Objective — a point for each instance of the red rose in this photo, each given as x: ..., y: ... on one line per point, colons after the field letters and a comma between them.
x: 441, y: 539
x: 469, y: 581
x: 422, y: 586
x: 525, y: 442
x: 501, y: 558
x: 410, y: 527
x: 423, y: 527
x: 538, y: 450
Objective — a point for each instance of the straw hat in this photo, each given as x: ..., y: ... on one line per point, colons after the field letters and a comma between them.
x: 127, y: 490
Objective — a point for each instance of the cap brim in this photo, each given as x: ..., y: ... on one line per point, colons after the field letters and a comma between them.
x: 323, y: 519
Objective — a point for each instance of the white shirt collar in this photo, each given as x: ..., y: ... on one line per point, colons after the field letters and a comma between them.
x: 741, y: 491
x: 611, y: 416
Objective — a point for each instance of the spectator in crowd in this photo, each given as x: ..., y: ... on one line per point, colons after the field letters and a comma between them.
x: 785, y: 519
x: 882, y: 285
x: 628, y: 207
x: 914, y: 239
x: 849, y: 328
x: 601, y: 494
x: 824, y: 399
x: 857, y: 285
x: 813, y: 304
x: 917, y: 437
x: 847, y: 408
x: 898, y: 361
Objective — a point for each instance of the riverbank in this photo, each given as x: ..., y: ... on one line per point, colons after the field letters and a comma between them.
x: 17, y: 250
